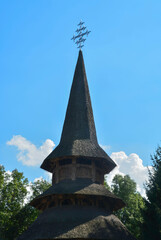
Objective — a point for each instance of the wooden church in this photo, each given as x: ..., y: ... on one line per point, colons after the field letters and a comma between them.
x: 77, y: 205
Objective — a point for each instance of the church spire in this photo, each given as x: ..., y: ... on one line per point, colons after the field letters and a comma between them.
x: 79, y: 121
x: 77, y: 205
x: 78, y: 137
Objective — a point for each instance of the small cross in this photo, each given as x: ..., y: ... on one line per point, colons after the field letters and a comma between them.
x: 81, y: 33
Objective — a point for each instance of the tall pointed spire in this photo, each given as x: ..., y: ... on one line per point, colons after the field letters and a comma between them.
x: 79, y: 134
x: 79, y: 121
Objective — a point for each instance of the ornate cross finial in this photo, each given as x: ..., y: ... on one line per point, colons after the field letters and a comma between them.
x: 81, y: 32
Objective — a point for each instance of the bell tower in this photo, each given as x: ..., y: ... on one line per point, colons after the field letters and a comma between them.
x: 77, y: 205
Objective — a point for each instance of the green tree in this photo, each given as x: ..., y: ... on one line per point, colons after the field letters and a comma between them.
x: 38, y: 187
x: 107, y: 186
x: 15, y: 214
x: 131, y: 215
x: 152, y: 213
x: 12, y: 194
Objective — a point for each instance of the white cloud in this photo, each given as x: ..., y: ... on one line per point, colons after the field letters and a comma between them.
x: 9, y: 172
x: 38, y: 179
x: 131, y: 165
x: 29, y: 193
x: 48, y: 176
x: 29, y: 154
x: 105, y: 147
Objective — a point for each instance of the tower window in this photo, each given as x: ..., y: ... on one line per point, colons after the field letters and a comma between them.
x: 83, y: 161
x: 65, y: 161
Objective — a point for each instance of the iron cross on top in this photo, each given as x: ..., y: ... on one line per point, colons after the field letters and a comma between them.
x: 81, y: 31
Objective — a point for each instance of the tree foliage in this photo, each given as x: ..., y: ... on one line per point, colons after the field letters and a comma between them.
x: 15, y: 213
x: 152, y: 212
x: 131, y: 215
x: 123, y: 186
x: 107, y: 186
x: 139, y: 216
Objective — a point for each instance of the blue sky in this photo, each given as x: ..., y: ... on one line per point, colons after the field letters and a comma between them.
x: 123, y: 64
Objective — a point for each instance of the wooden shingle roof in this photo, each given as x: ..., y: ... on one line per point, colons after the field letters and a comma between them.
x: 79, y: 187
x: 72, y: 222
x: 79, y: 134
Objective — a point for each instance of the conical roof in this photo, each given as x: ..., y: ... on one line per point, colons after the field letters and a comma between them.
x: 76, y: 222
x: 79, y: 121
x: 79, y: 134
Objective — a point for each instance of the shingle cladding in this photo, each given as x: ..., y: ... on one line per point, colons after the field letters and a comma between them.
x: 80, y: 187
x: 79, y: 134
x: 78, y: 219
x: 73, y: 222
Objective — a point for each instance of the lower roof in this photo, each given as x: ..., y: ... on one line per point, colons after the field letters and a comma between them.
x: 80, y: 187
x: 76, y: 223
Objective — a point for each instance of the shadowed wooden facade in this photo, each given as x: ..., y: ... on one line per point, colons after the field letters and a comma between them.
x: 73, y: 168
x: 77, y: 205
